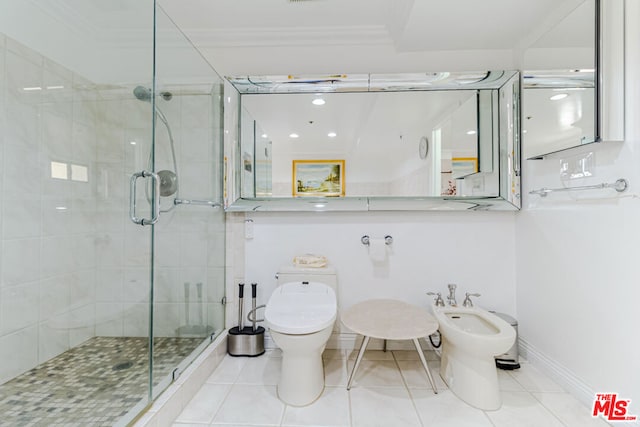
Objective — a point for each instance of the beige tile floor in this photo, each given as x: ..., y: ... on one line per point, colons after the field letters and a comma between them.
x: 391, y: 389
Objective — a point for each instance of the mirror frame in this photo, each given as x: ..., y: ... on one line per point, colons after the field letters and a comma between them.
x: 503, y: 135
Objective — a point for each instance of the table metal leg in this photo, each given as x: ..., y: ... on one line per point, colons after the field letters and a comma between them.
x: 384, y: 346
x: 424, y: 363
x: 363, y: 347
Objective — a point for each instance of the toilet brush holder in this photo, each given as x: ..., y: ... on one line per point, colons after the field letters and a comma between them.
x: 245, y: 341
x: 249, y: 340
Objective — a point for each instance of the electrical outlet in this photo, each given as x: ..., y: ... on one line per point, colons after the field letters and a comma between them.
x: 248, y: 229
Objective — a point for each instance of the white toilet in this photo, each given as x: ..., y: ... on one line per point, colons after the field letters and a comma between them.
x: 300, y: 315
x: 471, y: 337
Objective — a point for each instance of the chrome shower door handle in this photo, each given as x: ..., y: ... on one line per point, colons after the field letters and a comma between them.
x: 156, y: 199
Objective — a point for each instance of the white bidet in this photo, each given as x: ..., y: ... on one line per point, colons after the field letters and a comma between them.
x: 471, y: 337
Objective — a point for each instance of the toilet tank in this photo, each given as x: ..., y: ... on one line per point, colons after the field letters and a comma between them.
x: 326, y: 275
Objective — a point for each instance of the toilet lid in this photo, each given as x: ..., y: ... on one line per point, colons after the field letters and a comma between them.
x: 301, y: 308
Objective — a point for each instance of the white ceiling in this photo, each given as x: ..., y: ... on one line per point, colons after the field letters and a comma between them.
x: 371, y: 36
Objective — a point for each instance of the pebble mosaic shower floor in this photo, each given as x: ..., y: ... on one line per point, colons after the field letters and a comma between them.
x: 94, y: 384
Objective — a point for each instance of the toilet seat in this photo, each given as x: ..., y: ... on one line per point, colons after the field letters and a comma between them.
x: 299, y: 308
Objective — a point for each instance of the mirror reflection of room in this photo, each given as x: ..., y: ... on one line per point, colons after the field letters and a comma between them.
x: 559, y: 84
x: 392, y: 143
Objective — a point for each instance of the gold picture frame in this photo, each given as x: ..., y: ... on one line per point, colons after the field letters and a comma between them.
x: 313, y: 178
x: 463, y: 166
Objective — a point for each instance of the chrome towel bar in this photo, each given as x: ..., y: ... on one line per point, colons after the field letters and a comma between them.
x: 196, y: 202
x: 620, y: 185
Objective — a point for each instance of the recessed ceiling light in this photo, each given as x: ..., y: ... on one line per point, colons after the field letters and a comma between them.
x: 558, y: 96
x: 264, y: 135
x: 524, y: 131
x: 332, y: 134
x: 318, y: 101
x: 133, y: 143
x: 471, y: 132
x: 293, y: 135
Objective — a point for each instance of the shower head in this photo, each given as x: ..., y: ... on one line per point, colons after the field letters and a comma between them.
x: 168, y: 182
x: 142, y: 93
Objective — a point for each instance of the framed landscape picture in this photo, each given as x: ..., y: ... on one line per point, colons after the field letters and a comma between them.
x: 318, y: 178
x: 463, y: 166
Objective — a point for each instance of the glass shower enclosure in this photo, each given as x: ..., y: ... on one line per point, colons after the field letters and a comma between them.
x: 112, y: 236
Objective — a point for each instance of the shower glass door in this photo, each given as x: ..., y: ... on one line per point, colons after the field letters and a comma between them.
x: 189, y: 236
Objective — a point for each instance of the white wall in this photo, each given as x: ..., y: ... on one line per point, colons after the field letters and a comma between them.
x: 47, y: 234
x: 577, y: 272
x: 475, y: 250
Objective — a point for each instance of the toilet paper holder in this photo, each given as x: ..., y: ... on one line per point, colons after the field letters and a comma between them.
x: 388, y: 240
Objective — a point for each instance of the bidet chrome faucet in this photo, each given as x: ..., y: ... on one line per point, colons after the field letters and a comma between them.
x: 452, y: 295
x: 467, y: 301
x: 439, y: 302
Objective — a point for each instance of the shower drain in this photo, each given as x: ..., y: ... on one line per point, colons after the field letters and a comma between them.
x: 121, y: 366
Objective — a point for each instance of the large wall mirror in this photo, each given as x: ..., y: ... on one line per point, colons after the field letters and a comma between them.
x: 560, y: 81
x: 374, y: 142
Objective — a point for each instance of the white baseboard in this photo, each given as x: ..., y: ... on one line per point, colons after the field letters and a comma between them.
x: 557, y: 372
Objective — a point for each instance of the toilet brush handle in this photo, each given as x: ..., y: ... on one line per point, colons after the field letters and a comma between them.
x: 240, y: 303
x: 253, y: 304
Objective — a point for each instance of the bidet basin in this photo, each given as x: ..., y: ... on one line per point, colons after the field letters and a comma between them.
x: 471, y: 322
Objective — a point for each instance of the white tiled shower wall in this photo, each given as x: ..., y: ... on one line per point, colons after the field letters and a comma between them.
x: 48, y: 226
x: 72, y: 265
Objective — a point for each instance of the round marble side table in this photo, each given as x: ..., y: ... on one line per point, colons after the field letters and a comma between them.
x: 389, y: 319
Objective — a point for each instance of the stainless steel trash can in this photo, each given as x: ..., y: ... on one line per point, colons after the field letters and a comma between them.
x: 510, y: 359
